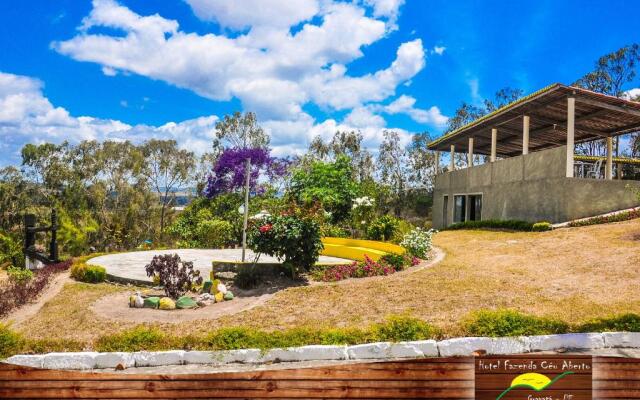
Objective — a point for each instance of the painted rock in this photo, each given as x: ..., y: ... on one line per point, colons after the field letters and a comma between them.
x: 228, y: 296
x: 186, y: 302
x: 222, y: 288
x: 167, y: 304
x: 219, y: 297
x: 151, y: 302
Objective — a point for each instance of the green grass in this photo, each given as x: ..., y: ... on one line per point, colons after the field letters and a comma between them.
x: 511, y: 323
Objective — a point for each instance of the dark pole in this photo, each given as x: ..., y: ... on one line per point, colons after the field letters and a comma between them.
x: 29, y: 233
x: 53, y: 246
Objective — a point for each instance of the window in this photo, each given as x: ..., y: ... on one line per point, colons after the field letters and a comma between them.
x: 459, y: 208
x: 445, y: 209
x: 475, y: 207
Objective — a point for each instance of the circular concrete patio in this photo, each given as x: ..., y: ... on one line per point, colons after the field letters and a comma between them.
x: 130, y: 266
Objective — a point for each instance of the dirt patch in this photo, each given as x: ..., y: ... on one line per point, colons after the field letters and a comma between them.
x: 116, y: 307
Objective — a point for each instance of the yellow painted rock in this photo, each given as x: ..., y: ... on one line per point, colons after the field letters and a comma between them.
x: 167, y: 304
x: 214, y: 286
x: 219, y: 297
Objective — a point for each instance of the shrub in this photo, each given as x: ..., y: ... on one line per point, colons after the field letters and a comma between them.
x: 10, y: 342
x: 541, y: 226
x: 619, y: 217
x: 512, y: 225
x: 136, y: 339
x: 19, y: 274
x: 176, y: 276
x: 402, y: 329
x: 214, y: 233
x: 620, y: 323
x: 383, y: 228
x: 511, y: 323
x: 387, y: 265
x: 328, y: 230
x: 418, y: 242
x: 404, y: 227
x: 88, y: 273
x: 292, y: 237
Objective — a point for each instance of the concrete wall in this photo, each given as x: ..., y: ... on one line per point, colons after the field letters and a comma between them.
x: 533, y: 188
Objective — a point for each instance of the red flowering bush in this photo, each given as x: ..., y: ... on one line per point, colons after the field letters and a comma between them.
x: 387, y: 265
x: 266, y: 228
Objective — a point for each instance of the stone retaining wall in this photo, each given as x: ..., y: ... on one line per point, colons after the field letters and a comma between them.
x: 425, y: 348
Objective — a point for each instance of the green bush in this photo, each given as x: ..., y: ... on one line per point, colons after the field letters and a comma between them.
x: 403, y: 328
x: 10, y: 342
x: 17, y: 274
x: 293, y: 237
x: 329, y: 230
x: 619, y: 217
x: 136, y: 339
x: 541, y: 226
x: 512, y: 225
x: 397, y: 261
x: 619, y: 323
x: 511, y: 323
x: 383, y: 228
x: 88, y: 273
x: 214, y: 233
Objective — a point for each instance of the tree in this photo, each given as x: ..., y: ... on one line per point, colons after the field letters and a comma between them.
x: 422, y: 162
x: 167, y: 169
x: 329, y: 183
x: 610, y: 74
x: 392, y: 162
x: 348, y: 144
x: 502, y: 97
x: 240, y: 131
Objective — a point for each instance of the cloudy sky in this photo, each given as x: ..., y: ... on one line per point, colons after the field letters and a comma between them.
x: 135, y: 69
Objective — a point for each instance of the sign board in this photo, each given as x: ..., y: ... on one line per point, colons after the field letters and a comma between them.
x: 533, y: 377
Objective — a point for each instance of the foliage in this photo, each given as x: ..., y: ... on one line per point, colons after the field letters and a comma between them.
x: 19, y: 275
x: 347, y: 144
x: 618, y: 323
x: 328, y: 183
x: 167, y: 169
x: 329, y: 230
x: 386, y: 265
x: 619, y: 217
x: 293, y: 237
x: 10, y: 250
x: 176, y: 276
x: 74, y: 234
x: 392, y: 162
x: 404, y: 328
x: 362, y: 212
x: 214, y: 233
x: 383, y: 228
x: 418, y: 242
x: 229, y: 172
x: 508, y: 224
x: 511, y: 323
x: 240, y: 131
x: 17, y: 292
x: 88, y: 273
x: 541, y: 226
x: 135, y: 339
x: 11, y: 342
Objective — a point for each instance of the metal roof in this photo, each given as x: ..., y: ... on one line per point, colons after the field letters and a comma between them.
x: 596, y: 116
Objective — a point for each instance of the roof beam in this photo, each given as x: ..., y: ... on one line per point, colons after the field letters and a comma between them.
x: 626, y: 129
x: 612, y: 107
x: 555, y: 123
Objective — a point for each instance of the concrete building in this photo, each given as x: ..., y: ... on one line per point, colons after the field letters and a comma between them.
x: 531, y: 171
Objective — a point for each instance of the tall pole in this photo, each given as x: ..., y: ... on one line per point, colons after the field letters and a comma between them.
x: 247, y: 172
x: 571, y: 117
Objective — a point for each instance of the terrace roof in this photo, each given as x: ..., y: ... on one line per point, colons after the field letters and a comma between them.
x: 596, y: 116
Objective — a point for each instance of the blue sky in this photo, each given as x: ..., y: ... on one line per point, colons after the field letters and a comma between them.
x: 136, y: 69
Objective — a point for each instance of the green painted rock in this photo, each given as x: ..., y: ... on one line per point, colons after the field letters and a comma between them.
x: 186, y: 302
x: 206, y: 287
x: 228, y: 296
x: 151, y: 302
x: 167, y: 304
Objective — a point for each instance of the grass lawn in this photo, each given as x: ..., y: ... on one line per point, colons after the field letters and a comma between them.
x: 570, y: 274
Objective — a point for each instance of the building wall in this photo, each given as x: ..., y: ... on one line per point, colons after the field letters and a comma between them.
x: 533, y: 188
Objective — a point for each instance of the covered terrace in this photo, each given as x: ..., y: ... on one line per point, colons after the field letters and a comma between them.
x: 554, y: 116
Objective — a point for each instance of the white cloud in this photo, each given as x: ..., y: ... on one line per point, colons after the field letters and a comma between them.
x: 405, y: 105
x: 632, y: 94
x: 270, y: 69
x: 439, y: 50
x: 363, y: 117
x: 248, y: 13
x: 386, y: 8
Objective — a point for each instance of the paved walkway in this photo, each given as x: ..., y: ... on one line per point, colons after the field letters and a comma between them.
x: 131, y: 265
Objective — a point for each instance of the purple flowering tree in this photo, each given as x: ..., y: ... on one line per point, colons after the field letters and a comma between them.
x: 228, y: 174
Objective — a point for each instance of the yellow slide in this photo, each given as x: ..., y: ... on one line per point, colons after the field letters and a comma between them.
x: 355, y: 249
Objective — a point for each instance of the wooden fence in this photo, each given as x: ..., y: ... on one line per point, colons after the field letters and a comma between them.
x: 441, y: 378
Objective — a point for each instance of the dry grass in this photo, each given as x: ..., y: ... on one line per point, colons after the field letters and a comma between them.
x: 572, y: 274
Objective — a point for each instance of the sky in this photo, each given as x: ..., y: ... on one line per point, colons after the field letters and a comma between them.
x: 137, y: 69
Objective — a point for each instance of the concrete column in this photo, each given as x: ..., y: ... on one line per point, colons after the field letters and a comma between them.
x: 437, y: 167
x: 571, y: 118
x: 452, y: 161
x: 608, y: 171
x: 494, y: 143
x: 525, y: 134
x: 470, y: 156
